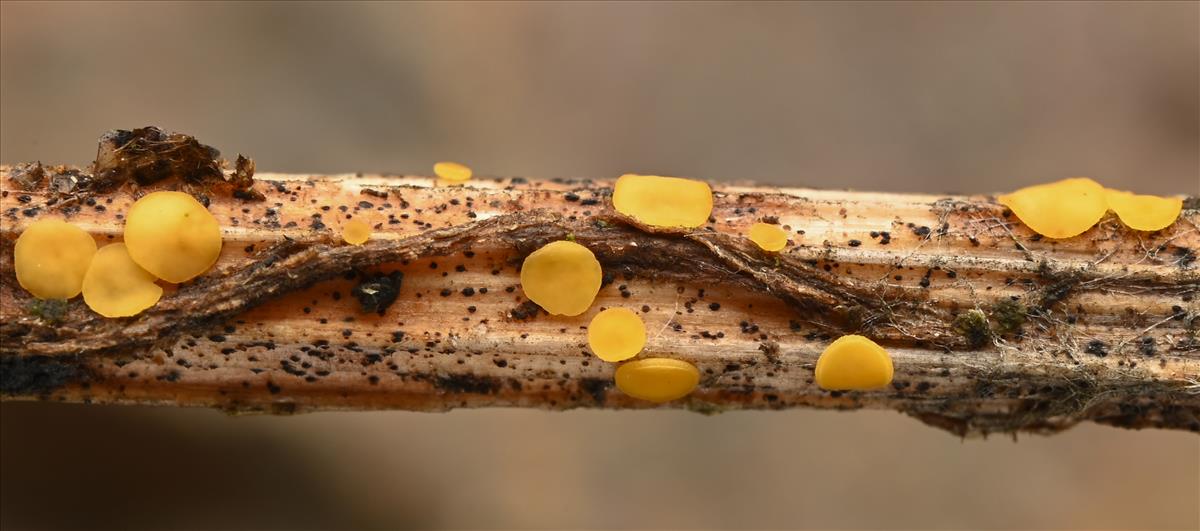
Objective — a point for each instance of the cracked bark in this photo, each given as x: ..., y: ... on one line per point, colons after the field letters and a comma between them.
x: 991, y: 328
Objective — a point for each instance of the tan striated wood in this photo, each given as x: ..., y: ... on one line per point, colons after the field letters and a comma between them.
x: 1109, y: 327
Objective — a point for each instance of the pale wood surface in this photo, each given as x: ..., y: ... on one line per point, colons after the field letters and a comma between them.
x: 1110, y: 334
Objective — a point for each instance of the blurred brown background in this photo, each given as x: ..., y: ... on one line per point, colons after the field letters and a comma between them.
x: 900, y: 97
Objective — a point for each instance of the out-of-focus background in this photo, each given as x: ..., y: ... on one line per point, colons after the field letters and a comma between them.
x: 929, y: 97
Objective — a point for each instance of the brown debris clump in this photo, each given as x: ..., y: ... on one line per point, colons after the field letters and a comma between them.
x: 147, y: 155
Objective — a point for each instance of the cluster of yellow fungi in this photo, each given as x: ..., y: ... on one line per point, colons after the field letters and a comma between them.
x: 1068, y: 208
x: 563, y: 277
x: 168, y: 236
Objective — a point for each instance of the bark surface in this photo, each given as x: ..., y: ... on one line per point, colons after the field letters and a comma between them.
x: 991, y: 328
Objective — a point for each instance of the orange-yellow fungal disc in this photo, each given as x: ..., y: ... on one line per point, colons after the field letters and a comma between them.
x: 657, y: 379
x: 1060, y: 209
x: 1144, y: 212
x: 356, y: 232
x: 51, y: 257
x: 768, y: 237
x: 616, y: 334
x: 562, y: 277
x: 663, y: 201
x: 452, y: 171
x: 115, y: 286
x: 172, y: 236
x: 853, y: 363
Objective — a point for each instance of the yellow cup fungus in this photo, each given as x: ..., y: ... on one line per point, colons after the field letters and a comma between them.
x: 562, y: 277
x: 452, y: 171
x: 657, y: 379
x: 768, y: 237
x: 51, y: 258
x: 663, y: 201
x: 356, y: 232
x: 616, y: 334
x: 1144, y: 212
x: 1060, y: 209
x: 853, y: 363
x: 115, y: 286
x: 172, y: 236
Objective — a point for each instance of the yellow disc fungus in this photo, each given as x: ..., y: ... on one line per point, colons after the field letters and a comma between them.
x: 768, y: 237
x: 452, y: 171
x: 663, y: 201
x: 616, y: 334
x: 51, y: 257
x: 115, y: 286
x: 853, y: 363
x: 657, y: 379
x: 356, y: 232
x: 1060, y: 209
x: 172, y: 236
x: 1144, y: 212
x: 562, y: 277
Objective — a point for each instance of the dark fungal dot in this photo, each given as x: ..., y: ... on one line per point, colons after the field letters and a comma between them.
x: 854, y: 243
x: 714, y: 306
x: 1097, y: 347
x: 468, y: 291
x: 445, y: 292
x: 1146, y: 346
x: 376, y: 293
x: 525, y: 310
